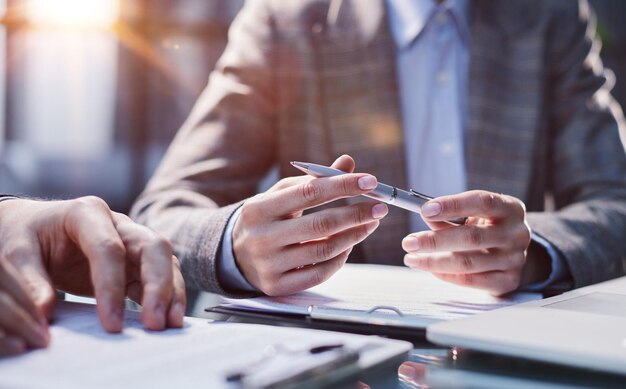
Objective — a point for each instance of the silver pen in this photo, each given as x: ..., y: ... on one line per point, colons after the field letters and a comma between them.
x: 409, y: 200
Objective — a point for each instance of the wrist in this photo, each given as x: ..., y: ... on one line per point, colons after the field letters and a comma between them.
x: 538, y: 265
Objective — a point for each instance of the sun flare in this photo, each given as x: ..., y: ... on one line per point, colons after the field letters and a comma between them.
x: 73, y: 13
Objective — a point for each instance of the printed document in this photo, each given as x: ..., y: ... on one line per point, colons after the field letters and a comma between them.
x: 200, y: 355
x: 416, y: 294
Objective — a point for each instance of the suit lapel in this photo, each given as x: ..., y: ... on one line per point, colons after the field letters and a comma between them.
x: 505, y: 92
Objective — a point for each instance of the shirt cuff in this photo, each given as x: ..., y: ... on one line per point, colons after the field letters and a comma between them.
x: 559, y: 267
x: 228, y: 273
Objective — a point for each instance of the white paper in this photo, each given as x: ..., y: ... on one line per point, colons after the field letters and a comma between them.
x: 200, y: 355
x: 360, y: 287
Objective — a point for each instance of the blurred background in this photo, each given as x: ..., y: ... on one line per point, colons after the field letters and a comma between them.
x: 93, y: 90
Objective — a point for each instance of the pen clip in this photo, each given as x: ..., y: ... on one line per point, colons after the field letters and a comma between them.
x: 420, y: 195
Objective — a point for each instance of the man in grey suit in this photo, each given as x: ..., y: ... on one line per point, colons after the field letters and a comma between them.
x: 500, y: 108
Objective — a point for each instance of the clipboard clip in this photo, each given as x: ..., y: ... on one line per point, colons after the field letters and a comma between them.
x: 378, y: 308
x: 377, y: 315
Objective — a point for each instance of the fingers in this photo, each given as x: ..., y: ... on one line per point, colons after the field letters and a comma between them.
x: 89, y: 224
x: 328, y: 222
x: 13, y: 283
x: 469, y: 237
x: 307, y: 277
x: 314, y: 192
x: 179, y: 302
x: 17, y: 322
x: 474, y: 203
x: 318, y: 251
x: 11, y: 345
x: 495, y: 282
x: 488, y: 253
x: 153, y: 255
x: 345, y: 163
x: 464, y: 262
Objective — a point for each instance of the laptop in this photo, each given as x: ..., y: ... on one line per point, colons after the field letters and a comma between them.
x: 583, y: 328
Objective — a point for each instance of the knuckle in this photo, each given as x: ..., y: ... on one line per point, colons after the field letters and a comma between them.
x: 92, y: 202
x: 163, y: 245
x: 323, y: 225
x: 518, y: 260
x: 346, y: 186
x: 248, y: 209
x: 487, y: 201
x: 453, y: 206
x: 474, y: 237
x: 361, y: 215
x: 429, y: 241
x: 17, y: 252
x: 271, y: 288
x: 114, y: 247
x: 324, y: 250
x: 465, y: 261
x: 317, y: 276
x: 526, y: 235
x: 311, y: 191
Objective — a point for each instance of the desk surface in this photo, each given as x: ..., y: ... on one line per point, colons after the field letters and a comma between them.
x: 429, y: 366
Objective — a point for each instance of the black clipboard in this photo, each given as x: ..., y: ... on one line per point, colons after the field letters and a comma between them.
x: 327, y: 321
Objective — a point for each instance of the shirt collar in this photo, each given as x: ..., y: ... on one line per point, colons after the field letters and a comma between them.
x: 410, y: 16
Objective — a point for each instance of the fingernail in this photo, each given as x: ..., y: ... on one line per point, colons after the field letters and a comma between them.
x: 407, y: 372
x: 379, y: 211
x: 367, y: 182
x: 410, y: 244
x: 431, y: 209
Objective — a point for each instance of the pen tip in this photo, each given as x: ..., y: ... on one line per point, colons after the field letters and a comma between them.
x: 299, y: 165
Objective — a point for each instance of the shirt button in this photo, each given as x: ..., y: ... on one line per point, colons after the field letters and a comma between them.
x: 442, y: 77
x: 447, y: 148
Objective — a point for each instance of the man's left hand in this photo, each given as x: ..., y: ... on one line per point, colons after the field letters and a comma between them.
x: 488, y: 252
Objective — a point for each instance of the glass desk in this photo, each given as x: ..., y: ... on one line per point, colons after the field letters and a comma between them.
x: 428, y: 366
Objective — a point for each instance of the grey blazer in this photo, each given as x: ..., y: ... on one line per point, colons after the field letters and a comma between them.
x: 312, y: 79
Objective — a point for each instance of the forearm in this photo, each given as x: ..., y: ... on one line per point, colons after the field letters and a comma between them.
x: 590, y: 235
x: 194, y: 230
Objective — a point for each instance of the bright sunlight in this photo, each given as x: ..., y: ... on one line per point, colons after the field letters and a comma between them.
x: 73, y: 13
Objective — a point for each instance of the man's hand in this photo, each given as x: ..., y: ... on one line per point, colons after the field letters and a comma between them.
x: 281, y: 252
x: 489, y: 252
x: 81, y: 247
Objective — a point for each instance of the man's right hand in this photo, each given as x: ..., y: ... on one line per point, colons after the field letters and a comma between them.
x: 281, y: 252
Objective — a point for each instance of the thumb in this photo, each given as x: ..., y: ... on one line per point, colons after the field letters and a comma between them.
x: 345, y: 163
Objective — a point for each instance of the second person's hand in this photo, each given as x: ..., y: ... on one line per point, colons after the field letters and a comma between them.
x: 489, y: 252
x: 280, y: 251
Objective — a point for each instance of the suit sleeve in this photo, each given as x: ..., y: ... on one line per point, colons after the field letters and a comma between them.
x: 588, y: 163
x: 220, y: 154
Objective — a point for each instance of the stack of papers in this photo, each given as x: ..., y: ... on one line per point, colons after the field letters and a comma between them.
x: 203, y: 354
x: 404, y: 296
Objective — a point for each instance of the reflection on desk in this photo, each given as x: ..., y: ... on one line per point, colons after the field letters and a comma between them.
x: 429, y: 366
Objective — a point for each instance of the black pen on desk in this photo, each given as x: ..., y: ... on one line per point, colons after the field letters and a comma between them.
x: 409, y: 200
